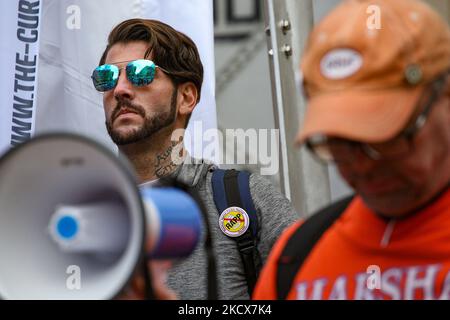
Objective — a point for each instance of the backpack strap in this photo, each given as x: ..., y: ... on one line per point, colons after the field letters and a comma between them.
x: 301, y: 243
x: 231, y: 189
x: 218, y: 187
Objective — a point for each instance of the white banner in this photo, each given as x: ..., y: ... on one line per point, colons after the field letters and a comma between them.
x: 73, y: 36
x: 19, y: 48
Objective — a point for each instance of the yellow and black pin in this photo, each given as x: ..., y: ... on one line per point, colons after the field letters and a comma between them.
x: 234, y: 221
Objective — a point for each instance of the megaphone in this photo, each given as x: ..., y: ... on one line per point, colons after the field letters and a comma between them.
x: 69, y: 205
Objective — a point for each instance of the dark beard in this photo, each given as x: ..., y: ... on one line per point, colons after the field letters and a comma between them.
x: 151, y: 125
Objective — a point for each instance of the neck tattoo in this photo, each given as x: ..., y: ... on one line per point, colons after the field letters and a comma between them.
x: 164, y: 162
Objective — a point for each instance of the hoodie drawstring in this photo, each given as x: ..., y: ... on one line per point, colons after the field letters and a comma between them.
x: 387, y: 233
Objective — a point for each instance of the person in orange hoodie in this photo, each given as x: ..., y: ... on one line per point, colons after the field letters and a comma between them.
x: 376, y: 76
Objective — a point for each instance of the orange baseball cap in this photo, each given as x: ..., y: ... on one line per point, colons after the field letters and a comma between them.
x: 366, y: 65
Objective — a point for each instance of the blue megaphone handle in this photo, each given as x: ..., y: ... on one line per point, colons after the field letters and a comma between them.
x: 179, y: 220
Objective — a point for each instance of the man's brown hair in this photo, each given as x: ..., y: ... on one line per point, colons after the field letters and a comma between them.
x: 169, y: 48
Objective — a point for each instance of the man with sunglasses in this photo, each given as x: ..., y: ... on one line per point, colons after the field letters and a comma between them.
x: 379, y: 108
x: 151, y: 76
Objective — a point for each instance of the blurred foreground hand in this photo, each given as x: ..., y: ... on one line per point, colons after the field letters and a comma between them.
x: 158, y: 271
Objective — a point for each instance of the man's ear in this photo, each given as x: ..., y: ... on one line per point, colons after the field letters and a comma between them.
x: 187, y: 98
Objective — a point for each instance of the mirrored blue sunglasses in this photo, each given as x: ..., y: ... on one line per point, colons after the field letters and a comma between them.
x: 139, y: 72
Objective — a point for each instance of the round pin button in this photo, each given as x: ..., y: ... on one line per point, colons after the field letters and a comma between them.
x: 234, y: 221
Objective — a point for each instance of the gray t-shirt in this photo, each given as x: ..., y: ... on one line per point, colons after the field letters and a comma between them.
x: 188, y: 277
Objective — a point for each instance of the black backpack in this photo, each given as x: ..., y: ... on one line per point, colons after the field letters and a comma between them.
x: 302, y: 241
x: 231, y: 189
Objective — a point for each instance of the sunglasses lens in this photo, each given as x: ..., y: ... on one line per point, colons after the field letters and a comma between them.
x: 141, y: 72
x: 105, y: 77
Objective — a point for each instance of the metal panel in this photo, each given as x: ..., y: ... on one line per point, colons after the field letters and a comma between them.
x: 303, y: 179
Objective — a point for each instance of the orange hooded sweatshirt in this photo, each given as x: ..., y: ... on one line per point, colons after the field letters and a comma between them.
x: 363, y: 256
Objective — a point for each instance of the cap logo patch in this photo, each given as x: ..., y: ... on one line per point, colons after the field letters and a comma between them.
x: 340, y: 64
